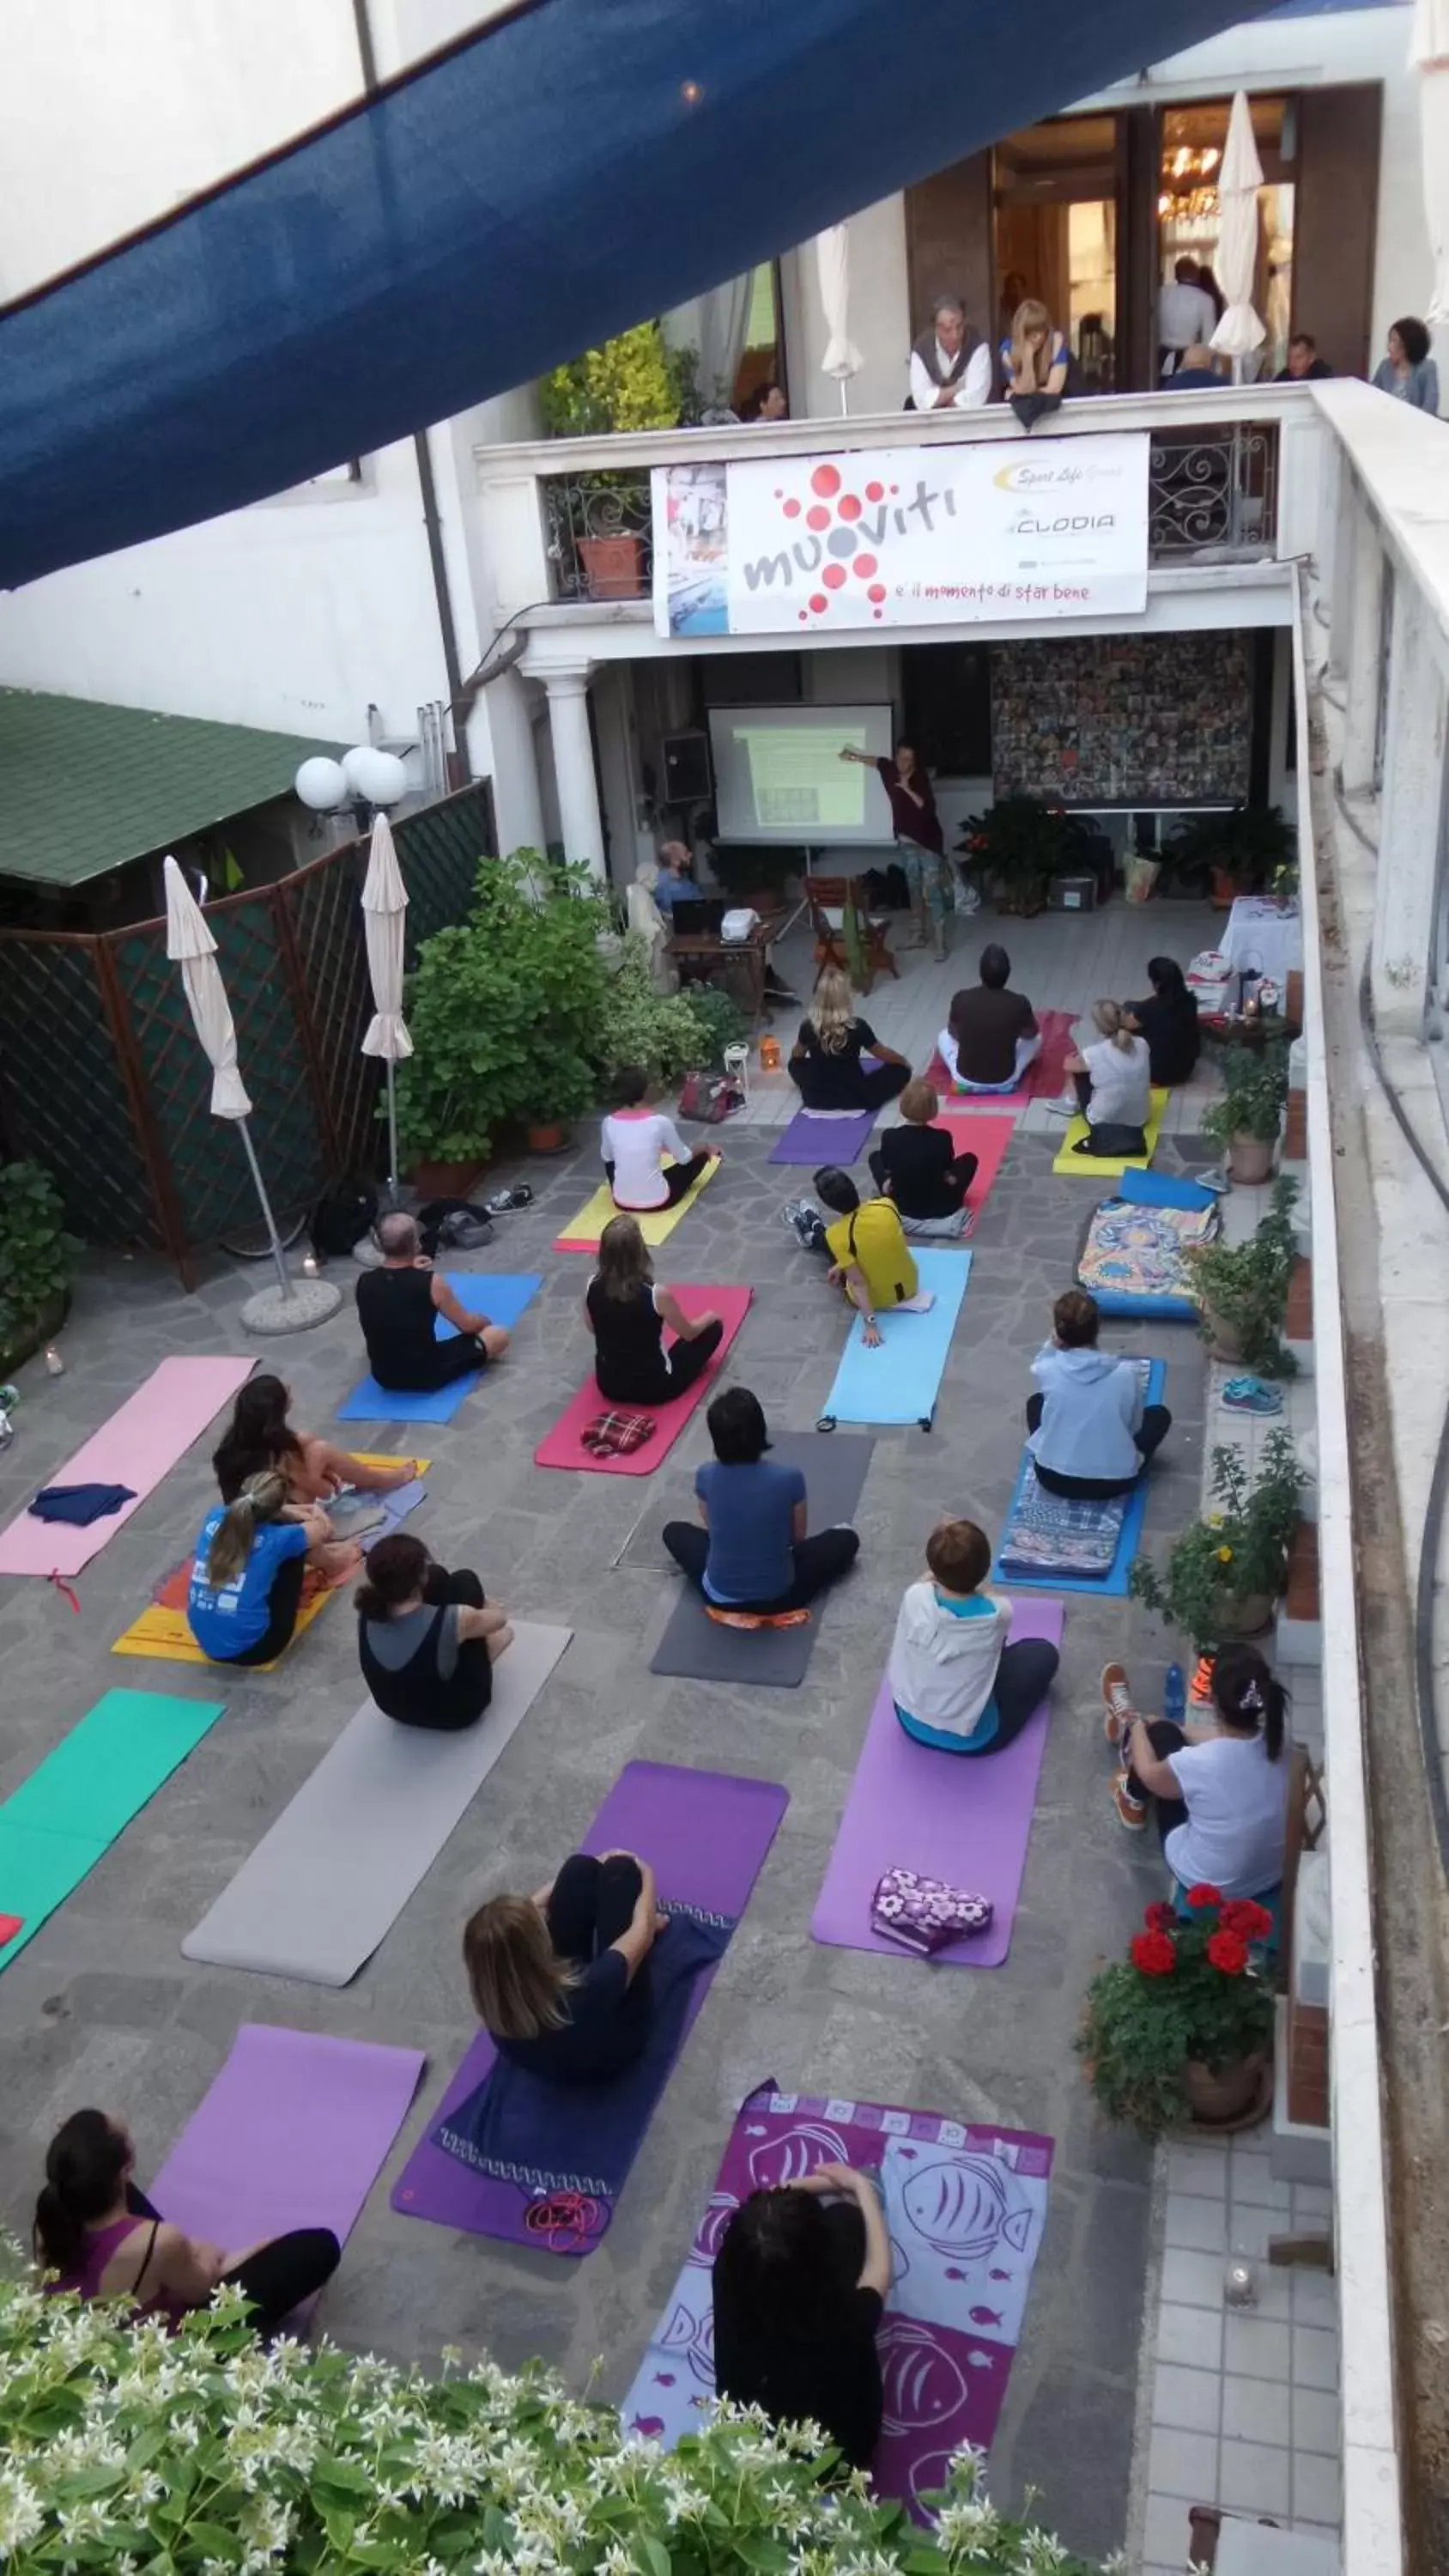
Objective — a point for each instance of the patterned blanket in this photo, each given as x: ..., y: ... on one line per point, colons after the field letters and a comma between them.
x: 1139, y: 1251
x: 1049, y: 1534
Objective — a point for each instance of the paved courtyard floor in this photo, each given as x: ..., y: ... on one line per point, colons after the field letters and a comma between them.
x: 101, y: 2007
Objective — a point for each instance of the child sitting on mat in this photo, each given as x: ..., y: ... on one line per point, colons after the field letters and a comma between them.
x: 560, y: 1979
x: 917, y: 1167
x: 1113, y: 1084
x: 955, y: 1681
x: 260, y: 1436
x: 246, y: 1582
x: 103, y: 2237
x: 1089, y: 1432
x: 800, y: 2284
x: 427, y: 1639
x: 1221, y: 1792
x: 635, y: 1141
x: 753, y: 1554
x: 626, y: 1311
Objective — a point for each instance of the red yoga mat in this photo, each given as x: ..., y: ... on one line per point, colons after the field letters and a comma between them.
x: 987, y: 1139
x: 1044, y: 1078
x: 564, y: 1445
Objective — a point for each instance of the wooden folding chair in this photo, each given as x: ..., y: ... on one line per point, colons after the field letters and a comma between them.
x: 827, y: 898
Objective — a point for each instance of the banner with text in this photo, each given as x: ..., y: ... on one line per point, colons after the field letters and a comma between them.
x: 903, y: 536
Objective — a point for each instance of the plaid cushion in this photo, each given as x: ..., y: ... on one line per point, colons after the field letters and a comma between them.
x: 615, y: 1435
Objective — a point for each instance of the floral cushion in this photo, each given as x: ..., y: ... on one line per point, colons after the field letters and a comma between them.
x: 1139, y: 1251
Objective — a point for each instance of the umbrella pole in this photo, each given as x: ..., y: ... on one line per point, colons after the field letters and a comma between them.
x: 277, y: 1255
x: 392, y: 1131
x: 844, y: 398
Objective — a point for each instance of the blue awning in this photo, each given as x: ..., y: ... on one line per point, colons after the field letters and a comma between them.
x: 549, y: 181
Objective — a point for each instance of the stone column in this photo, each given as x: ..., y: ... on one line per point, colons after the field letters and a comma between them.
x: 1411, y: 815
x: 512, y: 759
x: 580, y: 819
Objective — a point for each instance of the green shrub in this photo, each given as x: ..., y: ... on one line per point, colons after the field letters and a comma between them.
x: 123, y: 2449
x: 1255, y: 1094
x: 636, y: 1025
x: 1246, y: 1286
x: 1233, y: 1555
x: 34, y: 1256
x: 628, y: 383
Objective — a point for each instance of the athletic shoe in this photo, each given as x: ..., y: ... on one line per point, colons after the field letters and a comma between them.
x: 805, y: 1223
x: 1060, y: 1108
x: 1118, y: 1702
x: 1250, y: 1395
x: 1130, y: 1811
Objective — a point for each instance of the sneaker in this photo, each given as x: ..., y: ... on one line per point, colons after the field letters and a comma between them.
x: 805, y: 1223
x: 1130, y: 1811
x: 1250, y: 1395
x: 1060, y: 1108
x: 1117, y: 1699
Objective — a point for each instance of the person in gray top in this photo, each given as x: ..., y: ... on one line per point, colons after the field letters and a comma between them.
x: 427, y: 1639
x: 1408, y: 372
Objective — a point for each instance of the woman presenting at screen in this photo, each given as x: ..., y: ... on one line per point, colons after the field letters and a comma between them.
x: 917, y: 828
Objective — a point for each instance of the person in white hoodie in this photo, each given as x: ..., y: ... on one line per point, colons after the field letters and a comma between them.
x: 1089, y: 1432
x: 956, y: 1683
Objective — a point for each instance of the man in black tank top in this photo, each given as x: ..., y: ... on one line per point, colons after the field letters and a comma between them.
x: 396, y: 1307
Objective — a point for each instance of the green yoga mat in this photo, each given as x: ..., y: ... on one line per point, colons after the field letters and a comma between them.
x: 55, y: 1828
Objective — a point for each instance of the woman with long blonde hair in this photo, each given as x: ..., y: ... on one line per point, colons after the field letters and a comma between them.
x: 825, y: 1064
x: 246, y: 1582
x: 1112, y: 1080
x: 627, y: 1311
x: 560, y: 1979
x: 1035, y: 358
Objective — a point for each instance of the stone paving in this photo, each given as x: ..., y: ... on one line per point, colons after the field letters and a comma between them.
x: 101, y: 2007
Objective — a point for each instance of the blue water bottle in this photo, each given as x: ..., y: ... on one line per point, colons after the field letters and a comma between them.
x: 1174, y: 1695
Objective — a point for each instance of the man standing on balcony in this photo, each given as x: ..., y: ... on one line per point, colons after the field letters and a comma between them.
x: 950, y: 363
x: 1186, y: 315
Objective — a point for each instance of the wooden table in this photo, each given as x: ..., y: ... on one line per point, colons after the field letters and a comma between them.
x: 705, y: 950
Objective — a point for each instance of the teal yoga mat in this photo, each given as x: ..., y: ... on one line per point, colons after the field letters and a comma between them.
x: 70, y: 1810
x: 899, y: 1382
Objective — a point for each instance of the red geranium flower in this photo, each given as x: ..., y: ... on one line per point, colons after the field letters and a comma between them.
x: 1161, y: 1918
x: 1251, y: 1922
x: 1204, y: 1895
x: 1228, y: 1952
x: 1155, y: 1955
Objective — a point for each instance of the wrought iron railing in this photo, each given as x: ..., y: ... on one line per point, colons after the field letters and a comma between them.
x: 1213, y: 493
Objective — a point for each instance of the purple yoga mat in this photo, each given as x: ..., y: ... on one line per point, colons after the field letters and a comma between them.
x: 293, y: 2133
x: 812, y: 1139
x: 964, y: 1817
x: 707, y: 1835
x: 965, y: 2208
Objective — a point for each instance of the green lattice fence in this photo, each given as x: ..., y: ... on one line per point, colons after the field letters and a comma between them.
x: 105, y: 1084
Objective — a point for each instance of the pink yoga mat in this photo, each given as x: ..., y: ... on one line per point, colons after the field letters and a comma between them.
x: 987, y: 1139
x: 1044, y: 1079
x: 293, y: 2133
x: 564, y: 1447
x: 154, y: 1428
x: 964, y: 1817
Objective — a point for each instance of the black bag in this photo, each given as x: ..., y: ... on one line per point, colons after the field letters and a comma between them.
x: 341, y: 1217
x: 453, y: 1225
x: 1113, y: 1141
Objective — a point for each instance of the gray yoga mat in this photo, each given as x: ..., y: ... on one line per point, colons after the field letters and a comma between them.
x: 329, y: 1880
x: 835, y: 1465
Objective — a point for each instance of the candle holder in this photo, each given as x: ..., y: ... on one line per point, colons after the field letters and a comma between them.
x: 54, y: 1364
x: 1240, y: 2282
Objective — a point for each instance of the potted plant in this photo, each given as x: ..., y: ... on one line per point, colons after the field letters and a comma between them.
x: 1226, y: 1569
x: 1249, y: 849
x: 1019, y: 844
x: 1180, y: 2031
x: 34, y: 1262
x: 1242, y: 1290
x: 628, y: 383
x: 1247, y: 1119
x: 757, y: 877
x: 667, y: 1033
x: 500, y: 1008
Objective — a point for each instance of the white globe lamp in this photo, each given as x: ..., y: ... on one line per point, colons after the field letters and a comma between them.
x: 377, y: 777
x: 322, y: 784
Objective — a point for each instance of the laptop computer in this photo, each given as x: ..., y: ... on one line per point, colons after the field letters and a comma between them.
x: 699, y: 917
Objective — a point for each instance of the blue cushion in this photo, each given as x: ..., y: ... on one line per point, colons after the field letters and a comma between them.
x: 941, y: 1742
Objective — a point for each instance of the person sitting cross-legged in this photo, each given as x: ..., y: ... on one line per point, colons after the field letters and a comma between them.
x: 916, y: 1166
x: 627, y: 1310
x: 800, y: 2284
x: 1112, y: 1085
x: 247, y: 1574
x: 825, y: 1061
x: 560, y: 1979
x: 1220, y: 1789
x: 991, y: 1036
x: 753, y: 1553
x: 1090, y: 1433
x: 956, y: 1682
x: 635, y: 1140
x: 427, y: 1639
x: 396, y: 1306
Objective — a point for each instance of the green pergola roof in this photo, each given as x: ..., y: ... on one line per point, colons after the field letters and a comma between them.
x: 85, y: 787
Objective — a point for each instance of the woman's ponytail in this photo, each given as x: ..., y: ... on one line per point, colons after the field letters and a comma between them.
x: 84, y: 2172
x: 1112, y: 1023
x: 260, y: 1499
x: 1248, y: 1698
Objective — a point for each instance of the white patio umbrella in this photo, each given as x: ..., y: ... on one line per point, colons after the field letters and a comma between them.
x: 189, y: 944
x: 1429, y: 55
x: 1239, y: 179
x: 832, y: 267
x: 384, y: 915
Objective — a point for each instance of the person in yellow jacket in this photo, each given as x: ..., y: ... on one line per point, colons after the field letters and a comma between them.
x: 871, y: 1259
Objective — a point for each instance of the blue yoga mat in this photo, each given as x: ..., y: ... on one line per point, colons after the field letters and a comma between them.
x: 1129, y: 1508
x: 502, y: 1295
x: 900, y: 1381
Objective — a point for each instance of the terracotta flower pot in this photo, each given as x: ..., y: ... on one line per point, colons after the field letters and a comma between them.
x: 1250, y: 1160
x: 550, y: 1136
x: 613, y: 566
x: 1231, y: 2099
x: 445, y: 1180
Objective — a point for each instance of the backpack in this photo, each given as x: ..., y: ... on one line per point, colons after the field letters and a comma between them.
x: 709, y: 1098
x: 453, y: 1225
x: 341, y: 1217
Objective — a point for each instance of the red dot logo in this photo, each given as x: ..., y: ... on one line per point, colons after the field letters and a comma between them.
x: 863, y: 567
x: 819, y: 604
x: 849, y: 506
x: 804, y: 616
x: 817, y: 518
x: 877, y: 614
x: 875, y: 491
x: 826, y: 481
x: 876, y: 590
x: 833, y: 576
x: 792, y: 509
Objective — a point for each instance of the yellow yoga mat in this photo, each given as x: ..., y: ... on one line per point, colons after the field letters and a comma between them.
x: 161, y: 1630
x: 583, y: 1235
x: 1091, y: 1167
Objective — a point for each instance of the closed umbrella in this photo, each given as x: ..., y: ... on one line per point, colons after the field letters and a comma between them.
x: 189, y: 944
x: 1239, y: 180
x: 384, y: 921
x: 832, y: 265
x: 1429, y: 54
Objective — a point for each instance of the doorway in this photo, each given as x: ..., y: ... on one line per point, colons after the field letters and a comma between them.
x: 1057, y: 194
